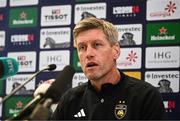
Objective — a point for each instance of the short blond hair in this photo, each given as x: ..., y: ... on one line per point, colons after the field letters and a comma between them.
x: 94, y: 23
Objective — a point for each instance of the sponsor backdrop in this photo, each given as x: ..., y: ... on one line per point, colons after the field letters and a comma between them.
x: 39, y: 32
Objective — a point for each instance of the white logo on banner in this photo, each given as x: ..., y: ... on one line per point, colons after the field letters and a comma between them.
x: 2, y: 39
x: 162, y: 57
x: 26, y: 60
x: 22, y: 39
x: 130, y: 34
x: 61, y: 58
x: 130, y: 58
x: 56, y: 15
x: 163, y: 9
x: 17, y: 80
x: 23, y: 2
x: 82, y: 11
x: 55, y: 38
x: 3, y: 3
x: 165, y: 81
x: 78, y: 79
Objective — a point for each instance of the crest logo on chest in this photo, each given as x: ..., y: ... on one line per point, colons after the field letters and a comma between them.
x: 120, y: 110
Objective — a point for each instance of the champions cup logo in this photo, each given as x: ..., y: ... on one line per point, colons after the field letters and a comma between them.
x: 120, y: 110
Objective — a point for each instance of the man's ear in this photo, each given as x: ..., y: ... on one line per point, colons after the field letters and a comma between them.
x: 116, y: 50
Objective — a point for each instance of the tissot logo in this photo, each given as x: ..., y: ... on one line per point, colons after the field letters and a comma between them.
x: 26, y: 60
x: 23, y: 17
x: 83, y: 11
x: 15, y: 81
x: 163, y: 9
x: 169, y: 105
x: 60, y: 58
x: 162, y: 57
x: 129, y: 58
x: 165, y: 81
x: 55, y: 38
x: 163, y: 33
x: 130, y: 34
x: 78, y: 79
x: 126, y: 11
x: 22, y: 39
x: 56, y: 15
x: 2, y: 40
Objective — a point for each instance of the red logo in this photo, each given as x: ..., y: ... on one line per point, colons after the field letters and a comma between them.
x: 162, y: 30
x: 132, y: 56
x: 171, y: 7
x: 23, y: 15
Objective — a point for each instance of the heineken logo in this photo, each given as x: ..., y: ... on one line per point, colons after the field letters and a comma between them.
x: 23, y: 17
x: 163, y: 33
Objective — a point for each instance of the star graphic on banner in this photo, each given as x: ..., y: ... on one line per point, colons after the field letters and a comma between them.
x: 162, y: 30
x: 19, y: 104
x: 23, y: 15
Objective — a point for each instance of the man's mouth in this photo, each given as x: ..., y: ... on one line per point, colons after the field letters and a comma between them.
x: 91, y: 64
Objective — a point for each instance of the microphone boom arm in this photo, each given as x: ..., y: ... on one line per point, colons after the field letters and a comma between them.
x: 19, y: 87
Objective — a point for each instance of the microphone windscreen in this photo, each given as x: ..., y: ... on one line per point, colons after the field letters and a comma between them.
x: 52, y: 67
x: 8, y: 67
x: 58, y: 86
x: 42, y: 88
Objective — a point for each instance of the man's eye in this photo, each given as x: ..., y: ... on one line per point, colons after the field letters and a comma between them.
x: 81, y: 48
x: 97, y: 45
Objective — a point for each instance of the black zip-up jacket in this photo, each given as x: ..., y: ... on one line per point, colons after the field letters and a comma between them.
x: 130, y: 99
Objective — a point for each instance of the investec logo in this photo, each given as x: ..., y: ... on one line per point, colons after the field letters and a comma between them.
x: 22, y: 39
x: 17, y: 80
x: 55, y: 38
x: 166, y: 81
x: 126, y: 11
x: 130, y: 29
x: 78, y: 79
x: 83, y: 11
x: 23, y: 17
x: 56, y: 15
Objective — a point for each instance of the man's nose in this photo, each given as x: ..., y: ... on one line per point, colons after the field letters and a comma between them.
x: 90, y: 52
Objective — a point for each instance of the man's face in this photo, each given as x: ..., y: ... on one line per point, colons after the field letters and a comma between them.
x: 96, y: 55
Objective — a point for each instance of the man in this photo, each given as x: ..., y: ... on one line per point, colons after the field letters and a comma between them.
x: 109, y: 94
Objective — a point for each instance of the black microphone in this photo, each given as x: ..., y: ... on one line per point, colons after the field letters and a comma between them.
x: 49, y: 67
x: 53, y: 94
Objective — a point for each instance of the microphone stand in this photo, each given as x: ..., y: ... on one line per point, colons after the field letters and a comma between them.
x: 19, y: 87
x: 41, y: 111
